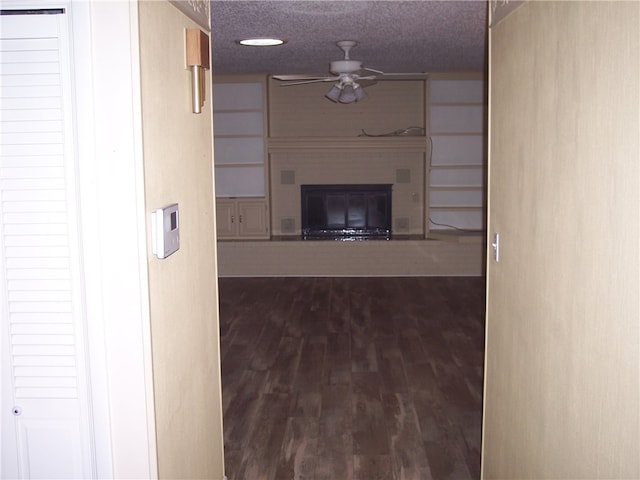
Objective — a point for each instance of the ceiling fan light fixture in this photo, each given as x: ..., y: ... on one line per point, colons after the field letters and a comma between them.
x: 348, y: 94
x: 334, y: 93
x: 261, y: 42
x: 359, y: 92
x: 346, y: 73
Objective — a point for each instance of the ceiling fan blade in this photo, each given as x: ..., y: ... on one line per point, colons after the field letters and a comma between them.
x: 380, y: 75
x: 380, y: 72
x: 298, y: 77
x: 402, y: 76
x: 317, y: 80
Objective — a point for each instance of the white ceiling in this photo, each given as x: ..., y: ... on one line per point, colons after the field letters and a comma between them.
x: 392, y: 36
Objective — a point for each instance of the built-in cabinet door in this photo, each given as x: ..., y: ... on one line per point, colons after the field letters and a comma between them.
x: 252, y: 219
x: 225, y: 218
x: 241, y: 218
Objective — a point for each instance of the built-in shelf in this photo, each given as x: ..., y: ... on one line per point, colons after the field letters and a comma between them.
x: 453, y: 208
x: 457, y: 166
x: 457, y: 188
x: 456, y: 128
x: 241, y: 161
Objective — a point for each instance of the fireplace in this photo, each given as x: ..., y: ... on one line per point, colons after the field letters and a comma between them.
x: 346, y: 212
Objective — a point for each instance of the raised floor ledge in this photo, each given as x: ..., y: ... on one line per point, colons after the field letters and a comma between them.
x: 461, y: 255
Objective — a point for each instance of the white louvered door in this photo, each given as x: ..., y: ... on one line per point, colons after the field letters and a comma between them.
x: 45, y: 418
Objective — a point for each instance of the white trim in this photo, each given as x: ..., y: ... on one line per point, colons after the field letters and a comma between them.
x: 80, y: 21
x: 115, y: 229
x: 142, y: 239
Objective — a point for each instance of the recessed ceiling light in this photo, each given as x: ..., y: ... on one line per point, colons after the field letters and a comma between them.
x: 261, y: 42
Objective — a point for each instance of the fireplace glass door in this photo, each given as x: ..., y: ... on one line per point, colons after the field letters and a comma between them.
x: 346, y: 211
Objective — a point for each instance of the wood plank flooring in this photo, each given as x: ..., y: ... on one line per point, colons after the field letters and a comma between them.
x: 352, y: 378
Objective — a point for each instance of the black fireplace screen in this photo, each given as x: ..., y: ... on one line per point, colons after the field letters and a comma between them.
x: 346, y: 211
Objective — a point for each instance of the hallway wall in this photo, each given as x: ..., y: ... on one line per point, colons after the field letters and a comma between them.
x: 562, y: 348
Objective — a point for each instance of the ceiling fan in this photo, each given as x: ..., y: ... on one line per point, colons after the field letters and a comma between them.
x: 346, y: 75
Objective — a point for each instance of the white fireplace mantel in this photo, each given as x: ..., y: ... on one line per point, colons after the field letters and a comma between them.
x: 362, y: 144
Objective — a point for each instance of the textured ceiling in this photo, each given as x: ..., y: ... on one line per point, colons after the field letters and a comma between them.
x: 392, y: 36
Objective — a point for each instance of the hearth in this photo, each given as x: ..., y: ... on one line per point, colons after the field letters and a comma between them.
x: 346, y: 212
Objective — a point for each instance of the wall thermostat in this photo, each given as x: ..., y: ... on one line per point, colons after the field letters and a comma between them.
x: 165, y: 228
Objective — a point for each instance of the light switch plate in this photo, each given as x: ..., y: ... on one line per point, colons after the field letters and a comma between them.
x: 496, y: 247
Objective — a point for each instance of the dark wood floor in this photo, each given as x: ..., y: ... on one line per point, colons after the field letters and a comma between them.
x: 352, y: 378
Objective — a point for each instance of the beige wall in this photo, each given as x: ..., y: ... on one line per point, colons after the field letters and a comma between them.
x: 182, y: 287
x: 562, y: 353
x: 303, y: 111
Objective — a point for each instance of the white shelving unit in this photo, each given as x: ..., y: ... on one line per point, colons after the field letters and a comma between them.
x: 240, y: 156
x: 456, y: 158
